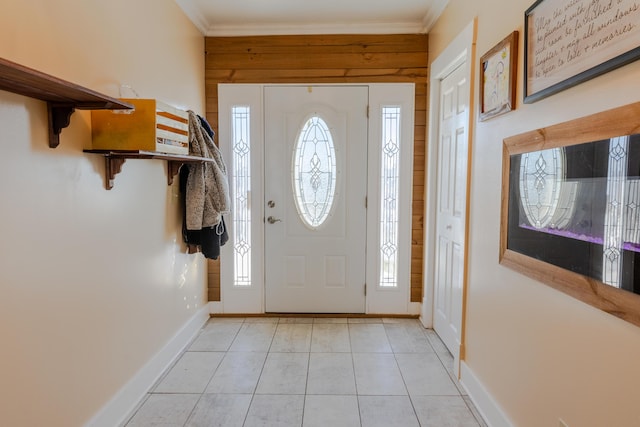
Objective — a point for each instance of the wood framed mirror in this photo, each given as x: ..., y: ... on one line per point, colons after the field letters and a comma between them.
x: 571, y: 208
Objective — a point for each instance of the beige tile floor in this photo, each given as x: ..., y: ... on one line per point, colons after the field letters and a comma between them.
x: 326, y: 372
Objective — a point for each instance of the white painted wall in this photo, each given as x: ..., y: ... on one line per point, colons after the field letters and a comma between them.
x: 540, y: 354
x: 93, y: 283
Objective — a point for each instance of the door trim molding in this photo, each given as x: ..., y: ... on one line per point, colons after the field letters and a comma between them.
x: 244, y: 299
x: 378, y: 300
x: 460, y: 52
x: 390, y: 300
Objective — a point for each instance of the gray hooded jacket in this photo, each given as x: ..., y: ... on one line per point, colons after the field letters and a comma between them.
x: 207, y: 194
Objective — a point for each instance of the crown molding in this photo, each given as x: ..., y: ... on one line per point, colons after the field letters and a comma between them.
x: 338, y: 28
x: 435, y: 10
x: 194, y: 13
x: 199, y: 19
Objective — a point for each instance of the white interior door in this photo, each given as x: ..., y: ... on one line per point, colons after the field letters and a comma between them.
x: 315, y: 188
x: 451, y: 208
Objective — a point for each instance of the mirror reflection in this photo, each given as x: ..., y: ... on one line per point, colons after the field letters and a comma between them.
x: 578, y: 207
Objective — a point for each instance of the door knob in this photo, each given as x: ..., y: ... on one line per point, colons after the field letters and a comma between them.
x: 272, y: 220
x: 271, y: 203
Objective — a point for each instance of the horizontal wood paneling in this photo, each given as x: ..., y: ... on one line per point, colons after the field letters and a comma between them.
x: 327, y: 75
x: 419, y: 148
x: 213, y: 278
x: 394, y: 58
x: 320, y: 43
x: 277, y: 61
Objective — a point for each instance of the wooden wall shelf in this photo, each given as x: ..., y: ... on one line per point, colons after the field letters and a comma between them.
x: 62, y: 97
x: 115, y: 159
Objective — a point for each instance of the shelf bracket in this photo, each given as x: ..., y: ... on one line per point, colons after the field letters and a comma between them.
x: 115, y: 159
x: 59, y: 118
x: 113, y: 166
x: 173, y: 167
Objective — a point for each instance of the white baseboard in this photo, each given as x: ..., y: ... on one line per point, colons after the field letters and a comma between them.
x: 426, y: 313
x: 215, y: 307
x: 415, y: 308
x: 486, y: 405
x: 125, y: 401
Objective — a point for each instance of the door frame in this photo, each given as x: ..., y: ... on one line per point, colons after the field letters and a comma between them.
x: 460, y: 52
x: 251, y: 299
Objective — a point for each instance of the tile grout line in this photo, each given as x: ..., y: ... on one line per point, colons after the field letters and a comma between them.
x: 255, y: 388
x: 455, y: 380
x: 168, y: 369
x: 406, y: 342
x: 402, y: 376
x: 353, y: 365
x: 306, y: 385
x: 204, y: 390
x: 473, y: 412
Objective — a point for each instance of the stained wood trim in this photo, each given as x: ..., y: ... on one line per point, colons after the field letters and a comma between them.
x: 316, y: 315
x: 616, y: 122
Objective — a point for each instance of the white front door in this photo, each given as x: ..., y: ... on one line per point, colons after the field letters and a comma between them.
x: 315, y: 188
x: 451, y: 208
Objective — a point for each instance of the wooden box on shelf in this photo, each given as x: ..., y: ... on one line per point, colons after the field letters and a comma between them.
x: 151, y: 126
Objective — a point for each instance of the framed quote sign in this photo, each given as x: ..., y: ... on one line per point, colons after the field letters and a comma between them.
x: 568, y: 42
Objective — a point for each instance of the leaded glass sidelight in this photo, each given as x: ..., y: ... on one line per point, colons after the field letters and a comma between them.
x: 389, y: 191
x: 241, y: 190
x: 314, y: 172
x: 619, y: 201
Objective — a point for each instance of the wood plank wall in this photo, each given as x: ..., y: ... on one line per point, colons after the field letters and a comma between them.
x: 328, y: 59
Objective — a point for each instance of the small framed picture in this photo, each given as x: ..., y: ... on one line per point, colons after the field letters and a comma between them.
x: 498, y: 78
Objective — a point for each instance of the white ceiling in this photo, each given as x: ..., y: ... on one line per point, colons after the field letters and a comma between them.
x: 280, y: 17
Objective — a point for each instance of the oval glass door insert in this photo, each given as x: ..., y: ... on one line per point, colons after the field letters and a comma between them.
x: 541, y: 176
x: 314, y: 172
